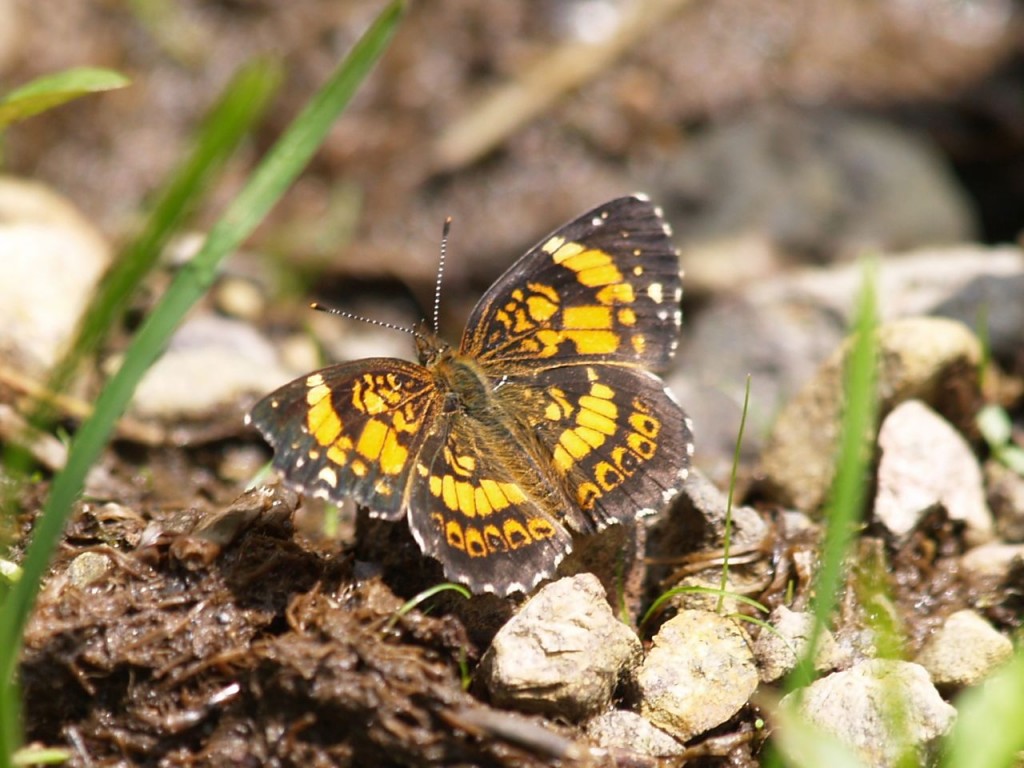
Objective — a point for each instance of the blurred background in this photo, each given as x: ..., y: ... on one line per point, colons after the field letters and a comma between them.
x: 776, y: 134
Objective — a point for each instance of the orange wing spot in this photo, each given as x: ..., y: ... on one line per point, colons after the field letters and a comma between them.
x: 493, y: 539
x: 617, y: 293
x: 515, y: 534
x: 359, y: 469
x: 513, y: 493
x: 523, y: 323
x: 540, y: 528
x: 602, y: 391
x: 372, y: 402
x: 454, y: 536
x: 587, y: 318
x: 560, y: 407
x: 639, y: 342
x: 587, y: 495
x: 323, y: 421
x: 600, y: 405
x: 607, y: 476
x: 371, y: 441
x: 541, y: 308
x: 482, y: 503
x: 561, y: 459
x: 463, y: 465
x: 627, y: 316
x: 646, y: 425
x: 596, y: 421
x: 464, y: 493
x: 573, y: 444
x: 435, y: 485
x: 579, y: 260
x: 394, y: 456
x: 591, y: 437
x: 597, y: 276
x: 594, y: 342
x: 543, y: 289
x: 626, y: 461
x: 641, y: 446
x: 494, y: 493
x: 449, y: 495
x: 475, y: 546
x: 336, y: 455
x: 562, y: 251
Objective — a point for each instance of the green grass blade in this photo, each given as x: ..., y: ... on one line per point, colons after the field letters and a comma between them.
x: 846, y: 502
x: 987, y: 733
x: 50, y: 91
x: 267, y: 184
x: 244, y: 101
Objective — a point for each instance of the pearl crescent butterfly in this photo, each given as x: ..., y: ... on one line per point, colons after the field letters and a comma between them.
x: 545, y: 422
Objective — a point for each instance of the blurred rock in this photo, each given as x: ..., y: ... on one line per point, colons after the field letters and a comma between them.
x: 211, y: 362
x: 1006, y: 500
x: 818, y: 184
x: 695, y: 525
x: 777, y: 651
x: 881, y: 708
x: 992, y: 561
x: 964, y: 651
x: 931, y: 359
x: 698, y: 673
x: 925, y: 462
x: 621, y: 729
x: 52, y: 260
x: 563, y: 654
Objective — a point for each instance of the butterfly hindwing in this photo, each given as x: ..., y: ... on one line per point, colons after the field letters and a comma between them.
x: 615, y: 436
x: 481, y: 506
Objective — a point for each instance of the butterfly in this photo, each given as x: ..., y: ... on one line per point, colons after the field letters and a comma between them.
x: 546, y: 421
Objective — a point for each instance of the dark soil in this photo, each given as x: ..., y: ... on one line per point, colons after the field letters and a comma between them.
x: 226, y: 630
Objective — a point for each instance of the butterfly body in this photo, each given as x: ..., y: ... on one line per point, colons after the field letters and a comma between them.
x: 545, y: 422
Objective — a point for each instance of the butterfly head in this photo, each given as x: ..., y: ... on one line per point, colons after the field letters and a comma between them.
x: 430, y: 348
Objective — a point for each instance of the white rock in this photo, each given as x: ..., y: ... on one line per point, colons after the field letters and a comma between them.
x: 776, y: 652
x: 992, y: 560
x: 52, y: 258
x: 699, y: 672
x: 210, y: 361
x: 621, y: 729
x: 881, y: 708
x: 926, y: 462
x: 964, y: 651
x: 563, y: 654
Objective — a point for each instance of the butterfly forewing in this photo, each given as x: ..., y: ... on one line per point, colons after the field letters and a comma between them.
x: 351, y: 430
x: 604, y: 288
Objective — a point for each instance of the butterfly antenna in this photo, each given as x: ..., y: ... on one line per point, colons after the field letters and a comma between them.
x: 440, y: 274
x: 342, y: 313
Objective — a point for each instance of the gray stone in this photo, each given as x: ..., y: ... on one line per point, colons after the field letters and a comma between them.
x: 881, y: 708
x: 931, y: 359
x: 1006, y: 500
x: 52, y: 260
x: 925, y: 462
x: 698, y: 674
x: 621, y: 729
x: 211, y: 361
x: 991, y: 561
x: 563, y: 654
x: 964, y: 651
x: 777, y: 651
